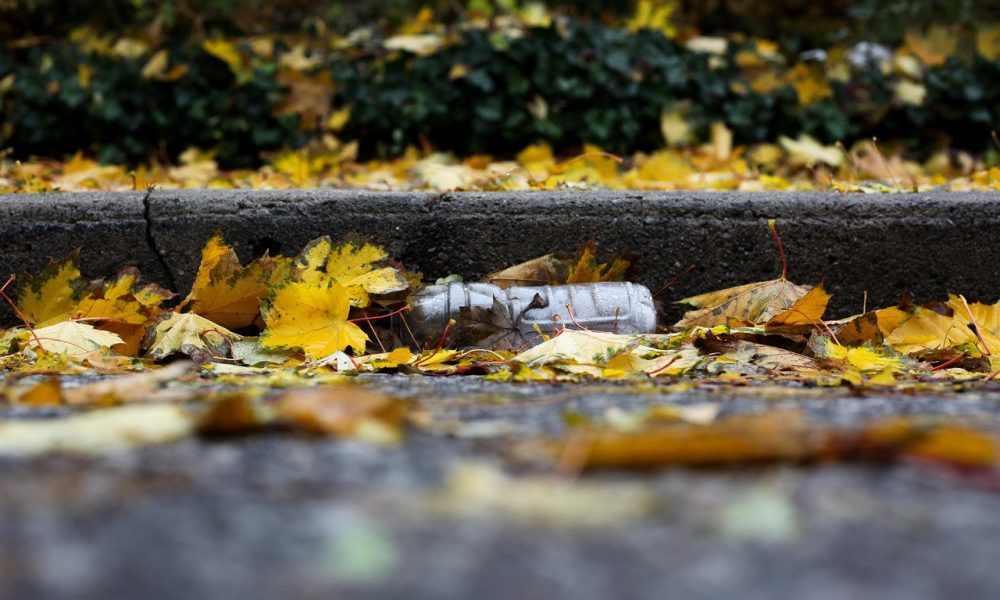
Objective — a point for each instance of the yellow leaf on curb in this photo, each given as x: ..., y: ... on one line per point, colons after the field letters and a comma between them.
x: 311, y: 317
x: 358, y: 268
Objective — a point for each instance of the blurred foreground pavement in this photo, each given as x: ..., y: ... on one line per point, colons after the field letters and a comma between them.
x: 444, y: 515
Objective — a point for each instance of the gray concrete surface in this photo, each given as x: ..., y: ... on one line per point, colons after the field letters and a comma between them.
x: 923, y: 244
x: 284, y: 516
x: 109, y: 228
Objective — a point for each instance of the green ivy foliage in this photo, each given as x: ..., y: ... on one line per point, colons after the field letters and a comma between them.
x: 580, y: 82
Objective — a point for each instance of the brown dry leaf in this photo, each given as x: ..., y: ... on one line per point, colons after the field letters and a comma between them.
x: 233, y: 413
x: 772, y: 436
x: 749, y: 304
x: 309, y: 96
x: 345, y: 410
x: 227, y: 293
x: 742, y: 356
x: 859, y: 329
x: 778, y: 435
x: 537, y: 271
x: 923, y: 438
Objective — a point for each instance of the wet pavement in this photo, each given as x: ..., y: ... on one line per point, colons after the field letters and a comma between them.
x: 285, y: 515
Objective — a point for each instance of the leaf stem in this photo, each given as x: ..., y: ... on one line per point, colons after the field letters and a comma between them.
x: 377, y: 317
x: 18, y: 312
x: 975, y: 326
x: 772, y: 225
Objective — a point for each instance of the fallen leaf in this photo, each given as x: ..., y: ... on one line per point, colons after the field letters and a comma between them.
x: 777, y: 435
x: 344, y: 410
x: 148, y: 386
x: 51, y: 296
x: 72, y: 338
x: 863, y: 358
x: 480, y: 490
x: 587, y: 270
x: 420, y: 44
x: 311, y: 317
x: 578, y: 347
x: 749, y: 304
x: 228, y: 293
x: 807, y: 151
x: 103, y: 431
x: 48, y: 392
x: 359, y: 268
x: 233, y: 413
x: 189, y: 333
x: 308, y: 95
x: 806, y: 312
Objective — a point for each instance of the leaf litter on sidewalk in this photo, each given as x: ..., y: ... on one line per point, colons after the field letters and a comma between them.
x: 306, y: 324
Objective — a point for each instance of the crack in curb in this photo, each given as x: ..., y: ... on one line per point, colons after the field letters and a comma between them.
x: 147, y: 203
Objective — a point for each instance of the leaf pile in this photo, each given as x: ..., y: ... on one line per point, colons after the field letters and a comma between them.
x: 330, y: 309
x: 318, y: 318
x: 330, y: 162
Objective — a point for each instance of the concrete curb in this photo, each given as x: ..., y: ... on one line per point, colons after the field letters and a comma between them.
x: 922, y: 244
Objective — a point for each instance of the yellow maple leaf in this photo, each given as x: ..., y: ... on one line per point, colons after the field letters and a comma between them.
x: 228, y: 53
x: 51, y: 296
x: 934, y: 47
x: 311, y: 317
x: 537, y: 160
x: 863, y: 358
x: 586, y: 269
x: 358, y: 268
x: 664, y: 169
x: 114, y: 302
x: 654, y: 14
x: 120, y: 308
x: 228, y: 293
x: 810, y: 83
x: 188, y: 331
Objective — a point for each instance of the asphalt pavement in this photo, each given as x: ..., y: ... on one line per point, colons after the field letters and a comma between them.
x: 448, y: 514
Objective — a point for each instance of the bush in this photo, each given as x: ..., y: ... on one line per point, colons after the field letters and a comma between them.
x: 486, y: 93
x: 120, y: 116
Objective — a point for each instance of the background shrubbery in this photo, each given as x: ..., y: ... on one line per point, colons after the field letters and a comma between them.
x: 488, y: 90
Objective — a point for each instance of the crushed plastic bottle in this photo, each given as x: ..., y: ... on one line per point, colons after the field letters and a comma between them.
x: 619, y: 307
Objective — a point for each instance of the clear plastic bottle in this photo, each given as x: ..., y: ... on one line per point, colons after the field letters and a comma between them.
x: 619, y: 307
